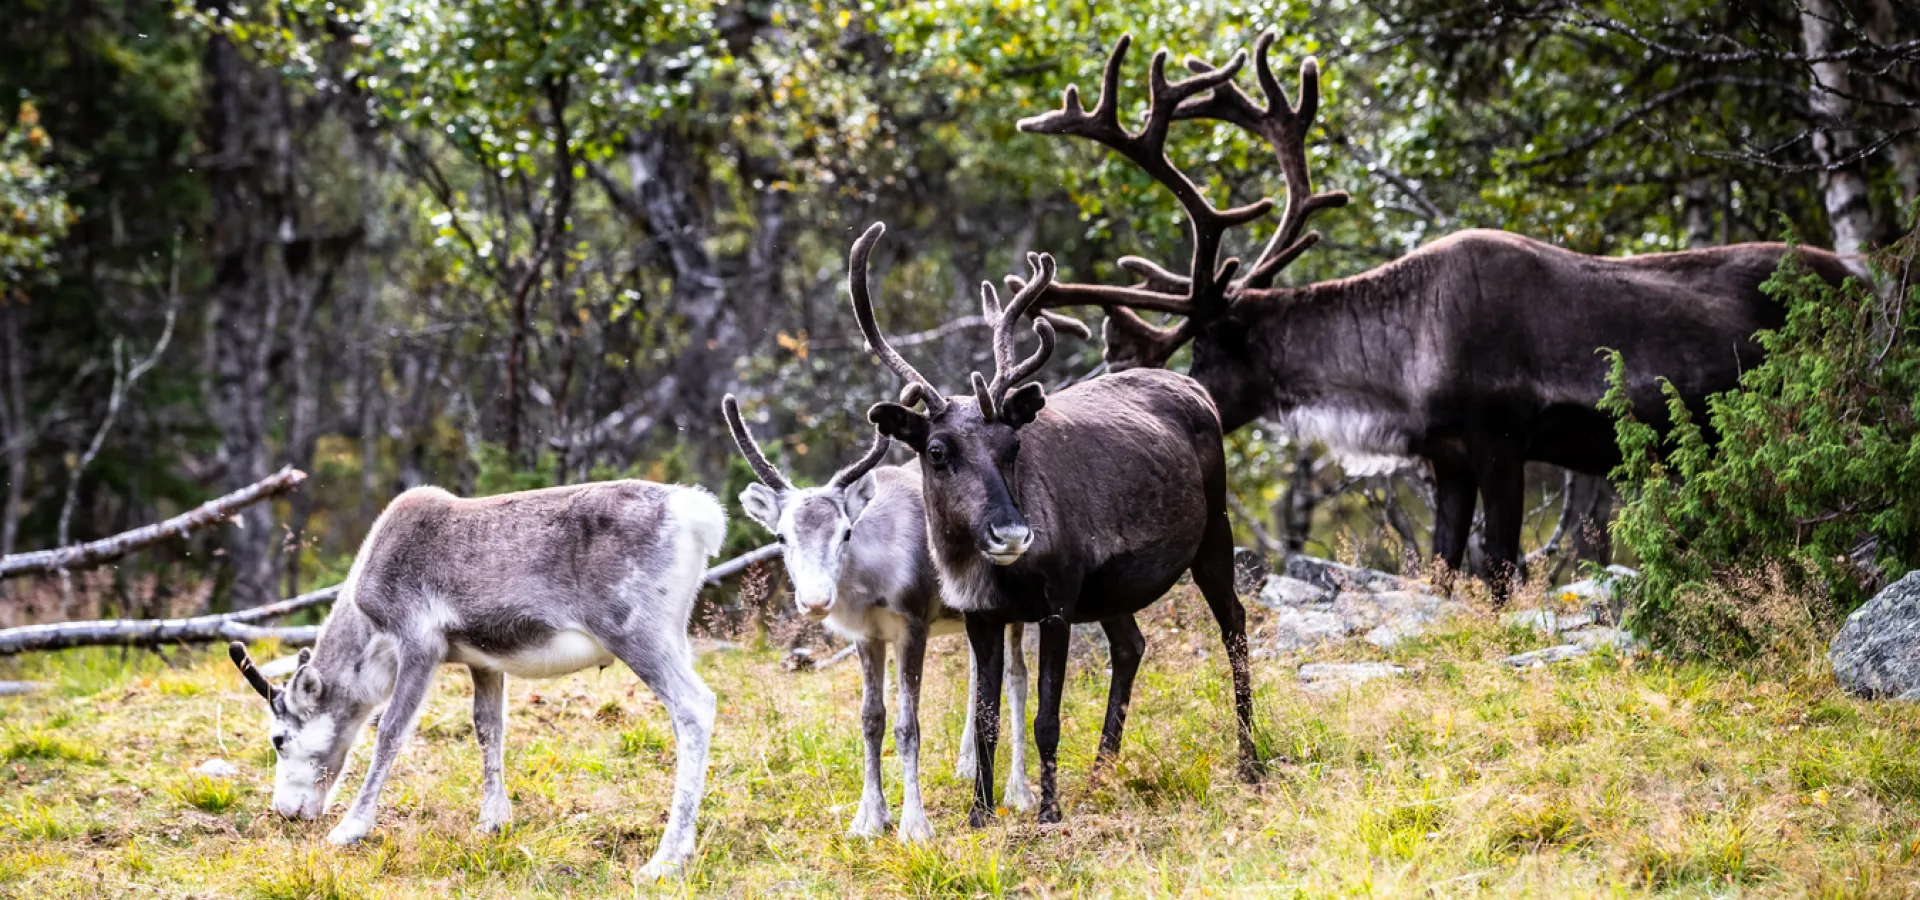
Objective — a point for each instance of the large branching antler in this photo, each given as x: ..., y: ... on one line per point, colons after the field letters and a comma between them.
x: 918, y: 387
x: 1209, y: 285
x: 1284, y: 127
x: 1005, y: 320
x: 1147, y: 148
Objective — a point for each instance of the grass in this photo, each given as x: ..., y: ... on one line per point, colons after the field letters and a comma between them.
x: 1607, y: 776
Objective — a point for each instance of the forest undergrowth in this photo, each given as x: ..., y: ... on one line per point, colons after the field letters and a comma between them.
x: 1614, y: 775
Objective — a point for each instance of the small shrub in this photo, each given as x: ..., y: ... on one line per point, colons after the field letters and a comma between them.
x: 44, y: 745
x: 213, y: 795
x: 1530, y: 824
x: 314, y: 879
x: 1793, y: 500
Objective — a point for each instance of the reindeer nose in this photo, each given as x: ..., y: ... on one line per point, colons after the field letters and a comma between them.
x: 817, y: 610
x: 1007, y: 543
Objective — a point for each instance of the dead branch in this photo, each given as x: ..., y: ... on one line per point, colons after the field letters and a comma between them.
x: 235, y: 626
x: 85, y: 556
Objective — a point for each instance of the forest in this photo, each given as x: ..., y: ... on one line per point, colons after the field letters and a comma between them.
x: 500, y: 246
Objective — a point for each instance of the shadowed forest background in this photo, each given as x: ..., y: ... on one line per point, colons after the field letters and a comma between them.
x: 493, y: 246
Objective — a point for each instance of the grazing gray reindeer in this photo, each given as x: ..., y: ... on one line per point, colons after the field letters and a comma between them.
x: 856, y: 550
x: 1081, y: 507
x: 535, y: 584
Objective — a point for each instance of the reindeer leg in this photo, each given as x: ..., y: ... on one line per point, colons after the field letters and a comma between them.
x: 666, y: 665
x: 1453, y: 491
x: 963, y: 768
x: 1213, y: 573
x: 1502, y: 476
x: 490, y: 729
x: 906, y: 735
x: 871, y: 819
x: 1054, y: 635
x: 984, y: 636
x: 1126, y: 645
x: 417, y: 663
x: 1017, y: 795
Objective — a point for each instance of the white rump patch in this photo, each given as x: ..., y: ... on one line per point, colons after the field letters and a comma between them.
x: 1364, y: 442
x: 696, y: 511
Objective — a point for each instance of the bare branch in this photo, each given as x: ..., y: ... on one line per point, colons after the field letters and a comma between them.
x: 83, y: 556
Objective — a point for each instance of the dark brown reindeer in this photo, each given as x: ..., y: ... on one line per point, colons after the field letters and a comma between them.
x: 1082, y: 507
x: 1474, y: 353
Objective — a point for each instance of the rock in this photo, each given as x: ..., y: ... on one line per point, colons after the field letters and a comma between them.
x: 1547, y: 621
x: 1300, y: 627
x: 1601, y: 594
x: 1280, y: 591
x: 1532, y: 658
x: 1322, y: 677
x: 1597, y: 636
x: 1336, y: 577
x: 1250, y: 570
x: 1877, y: 652
x: 217, y: 768
x: 798, y: 659
x: 20, y: 688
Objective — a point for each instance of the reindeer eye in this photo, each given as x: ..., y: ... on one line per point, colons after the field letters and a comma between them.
x: 780, y: 538
x: 937, y: 453
x: 847, y: 535
x: 279, y: 743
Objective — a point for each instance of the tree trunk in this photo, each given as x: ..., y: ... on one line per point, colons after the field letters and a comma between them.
x: 1836, y: 140
x: 246, y: 127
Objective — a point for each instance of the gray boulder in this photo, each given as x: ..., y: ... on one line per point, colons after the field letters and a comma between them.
x: 1337, y: 577
x: 1327, y: 677
x: 1877, y: 652
x: 1280, y: 591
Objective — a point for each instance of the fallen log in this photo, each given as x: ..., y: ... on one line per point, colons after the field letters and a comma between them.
x: 88, y: 555
x: 237, y: 626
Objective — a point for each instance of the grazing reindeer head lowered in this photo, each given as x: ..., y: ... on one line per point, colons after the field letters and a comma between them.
x: 968, y: 445
x: 313, y: 726
x: 814, y: 524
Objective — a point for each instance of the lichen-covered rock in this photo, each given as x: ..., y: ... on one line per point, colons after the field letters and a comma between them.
x: 1337, y: 577
x: 1545, y: 656
x: 1877, y: 652
x: 1301, y: 627
x: 1281, y: 591
x: 1335, y: 676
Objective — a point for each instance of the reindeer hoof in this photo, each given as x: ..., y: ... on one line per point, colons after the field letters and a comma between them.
x: 1018, y: 797
x: 867, y: 824
x: 1049, y: 813
x: 979, y: 817
x: 915, y: 829
x: 348, y: 833
x: 659, y: 870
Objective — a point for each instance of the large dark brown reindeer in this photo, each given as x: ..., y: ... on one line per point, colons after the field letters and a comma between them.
x: 1082, y: 507
x: 1475, y: 353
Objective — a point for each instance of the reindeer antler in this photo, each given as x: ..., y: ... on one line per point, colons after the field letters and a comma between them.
x: 1284, y: 127
x: 1209, y: 285
x: 750, y: 448
x: 1006, y: 371
x: 1147, y: 148
x: 918, y: 387
x: 853, y: 473
x: 238, y: 651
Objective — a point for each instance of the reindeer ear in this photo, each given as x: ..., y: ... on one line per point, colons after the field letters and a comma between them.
x: 901, y: 424
x: 1023, y: 404
x: 304, y: 691
x: 859, y: 494
x: 762, y: 504
x: 306, y: 656
x: 1131, y: 343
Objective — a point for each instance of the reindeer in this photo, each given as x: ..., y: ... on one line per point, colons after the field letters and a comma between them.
x: 535, y: 584
x: 1475, y: 353
x: 856, y: 550
x: 1083, y: 507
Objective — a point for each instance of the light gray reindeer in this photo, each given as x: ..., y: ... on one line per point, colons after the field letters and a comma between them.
x: 535, y: 584
x: 856, y: 550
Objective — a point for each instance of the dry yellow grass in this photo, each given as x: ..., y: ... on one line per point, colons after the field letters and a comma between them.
x: 1600, y: 777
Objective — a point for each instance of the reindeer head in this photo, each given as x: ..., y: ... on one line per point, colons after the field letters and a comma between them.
x: 311, y: 726
x: 813, y: 524
x: 1204, y: 297
x: 968, y: 445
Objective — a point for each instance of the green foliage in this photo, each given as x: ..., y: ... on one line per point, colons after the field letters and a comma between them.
x: 1798, y: 484
x: 34, y: 214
